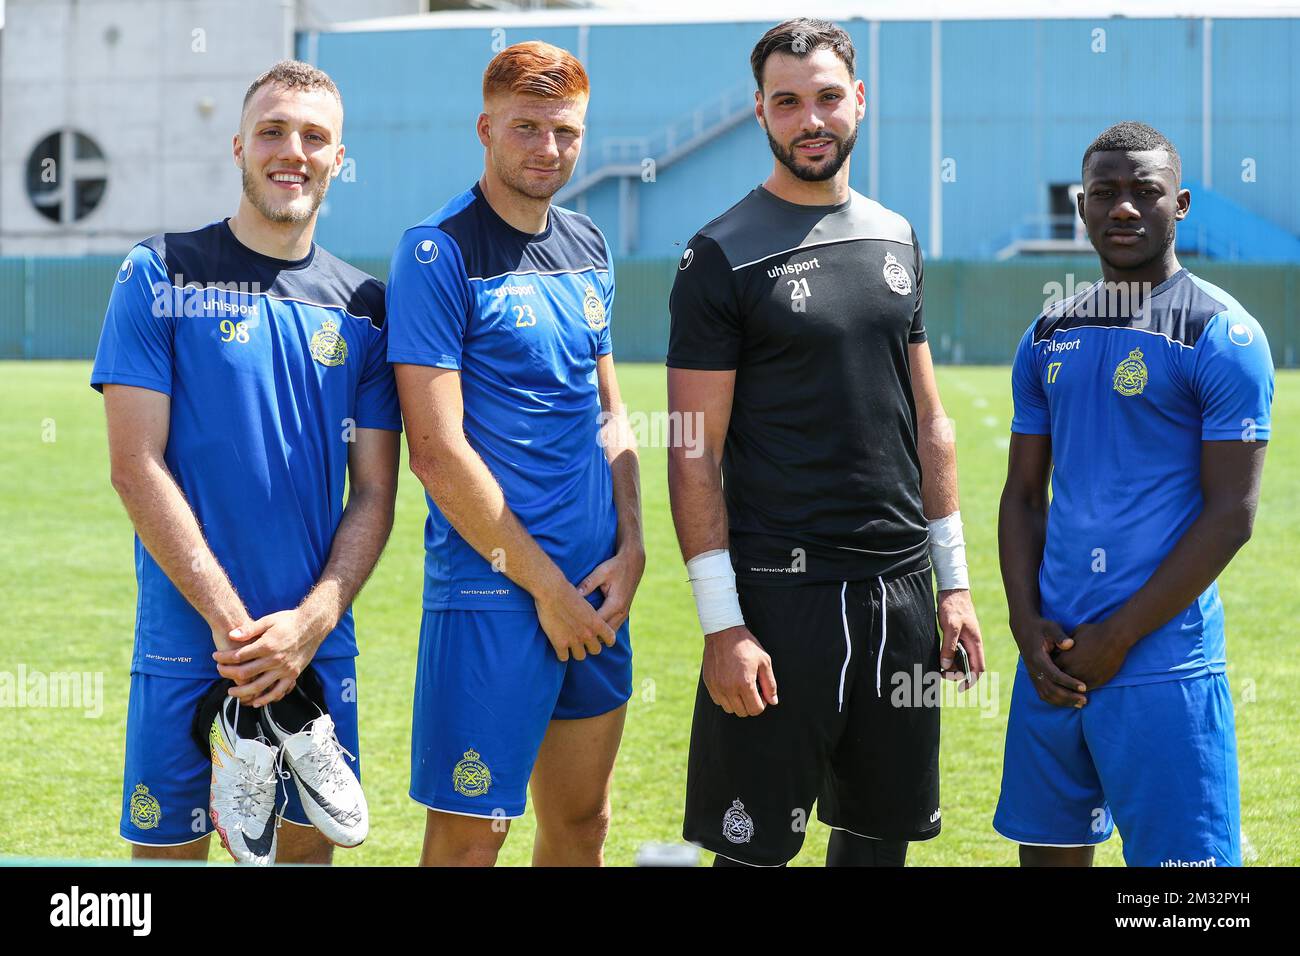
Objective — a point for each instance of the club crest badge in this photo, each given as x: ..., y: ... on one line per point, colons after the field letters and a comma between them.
x: 896, y: 276
x: 737, y: 825
x: 593, y: 309
x: 1131, y: 374
x: 327, y: 346
x: 471, y: 777
x: 146, y: 812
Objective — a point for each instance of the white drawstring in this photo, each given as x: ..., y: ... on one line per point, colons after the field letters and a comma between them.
x: 880, y: 654
x: 848, y: 642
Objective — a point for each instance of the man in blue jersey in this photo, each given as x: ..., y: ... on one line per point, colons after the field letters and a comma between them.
x: 1146, y: 400
x: 245, y: 376
x: 500, y: 309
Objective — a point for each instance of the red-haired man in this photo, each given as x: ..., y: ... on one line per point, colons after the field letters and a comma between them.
x: 499, y: 307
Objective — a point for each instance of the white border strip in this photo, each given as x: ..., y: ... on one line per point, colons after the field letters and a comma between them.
x: 818, y: 245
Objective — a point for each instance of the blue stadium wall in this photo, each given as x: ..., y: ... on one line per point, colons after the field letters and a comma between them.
x: 1020, y: 100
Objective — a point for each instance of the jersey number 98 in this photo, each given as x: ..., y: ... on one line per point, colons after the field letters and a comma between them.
x: 234, y: 331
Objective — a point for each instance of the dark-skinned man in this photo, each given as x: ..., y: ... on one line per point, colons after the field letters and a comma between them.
x: 1145, y: 399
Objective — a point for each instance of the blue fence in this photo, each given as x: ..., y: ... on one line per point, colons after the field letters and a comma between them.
x: 976, y: 311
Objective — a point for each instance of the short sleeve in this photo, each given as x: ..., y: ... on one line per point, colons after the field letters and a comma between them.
x: 428, y: 300
x: 604, y: 344
x: 136, y: 344
x: 377, y: 405
x: 705, y: 330
x: 1232, y: 378
x: 916, y: 334
x: 1030, y: 415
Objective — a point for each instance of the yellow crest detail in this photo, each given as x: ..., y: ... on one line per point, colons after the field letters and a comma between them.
x: 1131, y: 374
x: 327, y: 346
x: 217, y: 743
x: 594, y: 309
x: 471, y: 776
x: 146, y: 813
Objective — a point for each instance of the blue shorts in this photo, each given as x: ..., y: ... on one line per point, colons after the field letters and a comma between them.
x: 167, y: 779
x: 487, y: 685
x: 1157, y: 760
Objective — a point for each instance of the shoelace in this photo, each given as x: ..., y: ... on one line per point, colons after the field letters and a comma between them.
x: 280, y: 774
x: 324, y: 756
x: 249, y: 789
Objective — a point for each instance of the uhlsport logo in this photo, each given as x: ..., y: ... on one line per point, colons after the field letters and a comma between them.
x: 327, y: 346
x: 146, y: 812
x: 1240, y: 334
x: 737, y: 825
x: 593, y: 309
x: 426, y: 251
x: 687, y: 258
x: 125, y: 271
x: 471, y: 777
x: 896, y: 276
x: 1131, y: 374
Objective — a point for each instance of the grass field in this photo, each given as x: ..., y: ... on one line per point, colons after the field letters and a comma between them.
x: 68, y: 591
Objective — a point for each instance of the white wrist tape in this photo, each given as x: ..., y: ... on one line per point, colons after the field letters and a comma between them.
x: 714, y: 583
x: 948, y: 552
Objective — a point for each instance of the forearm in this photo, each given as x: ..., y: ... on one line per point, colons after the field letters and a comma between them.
x: 468, y: 495
x: 1022, y: 533
x: 169, y: 530
x: 1198, y: 557
x: 938, y: 456
x: 359, y: 541
x: 625, y: 473
x: 699, y: 509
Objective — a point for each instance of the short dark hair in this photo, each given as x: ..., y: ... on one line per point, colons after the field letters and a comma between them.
x: 800, y: 37
x: 295, y: 75
x: 1131, y: 136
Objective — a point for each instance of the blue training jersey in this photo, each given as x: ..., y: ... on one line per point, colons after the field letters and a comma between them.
x: 1128, y: 394
x: 271, y: 366
x: 523, y: 318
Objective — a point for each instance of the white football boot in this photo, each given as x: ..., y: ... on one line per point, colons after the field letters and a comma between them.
x: 330, y: 792
x: 244, y: 784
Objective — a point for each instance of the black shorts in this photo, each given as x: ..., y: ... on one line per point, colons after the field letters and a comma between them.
x: 845, y: 734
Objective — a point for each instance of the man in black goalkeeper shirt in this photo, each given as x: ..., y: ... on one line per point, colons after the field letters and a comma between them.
x: 798, y: 339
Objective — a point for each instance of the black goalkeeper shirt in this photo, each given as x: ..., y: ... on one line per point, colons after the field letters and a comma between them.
x: 814, y: 308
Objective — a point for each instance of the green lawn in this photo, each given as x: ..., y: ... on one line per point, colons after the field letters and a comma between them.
x: 68, y: 587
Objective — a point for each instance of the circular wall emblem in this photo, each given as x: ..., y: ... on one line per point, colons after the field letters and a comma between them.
x: 66, y: 176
